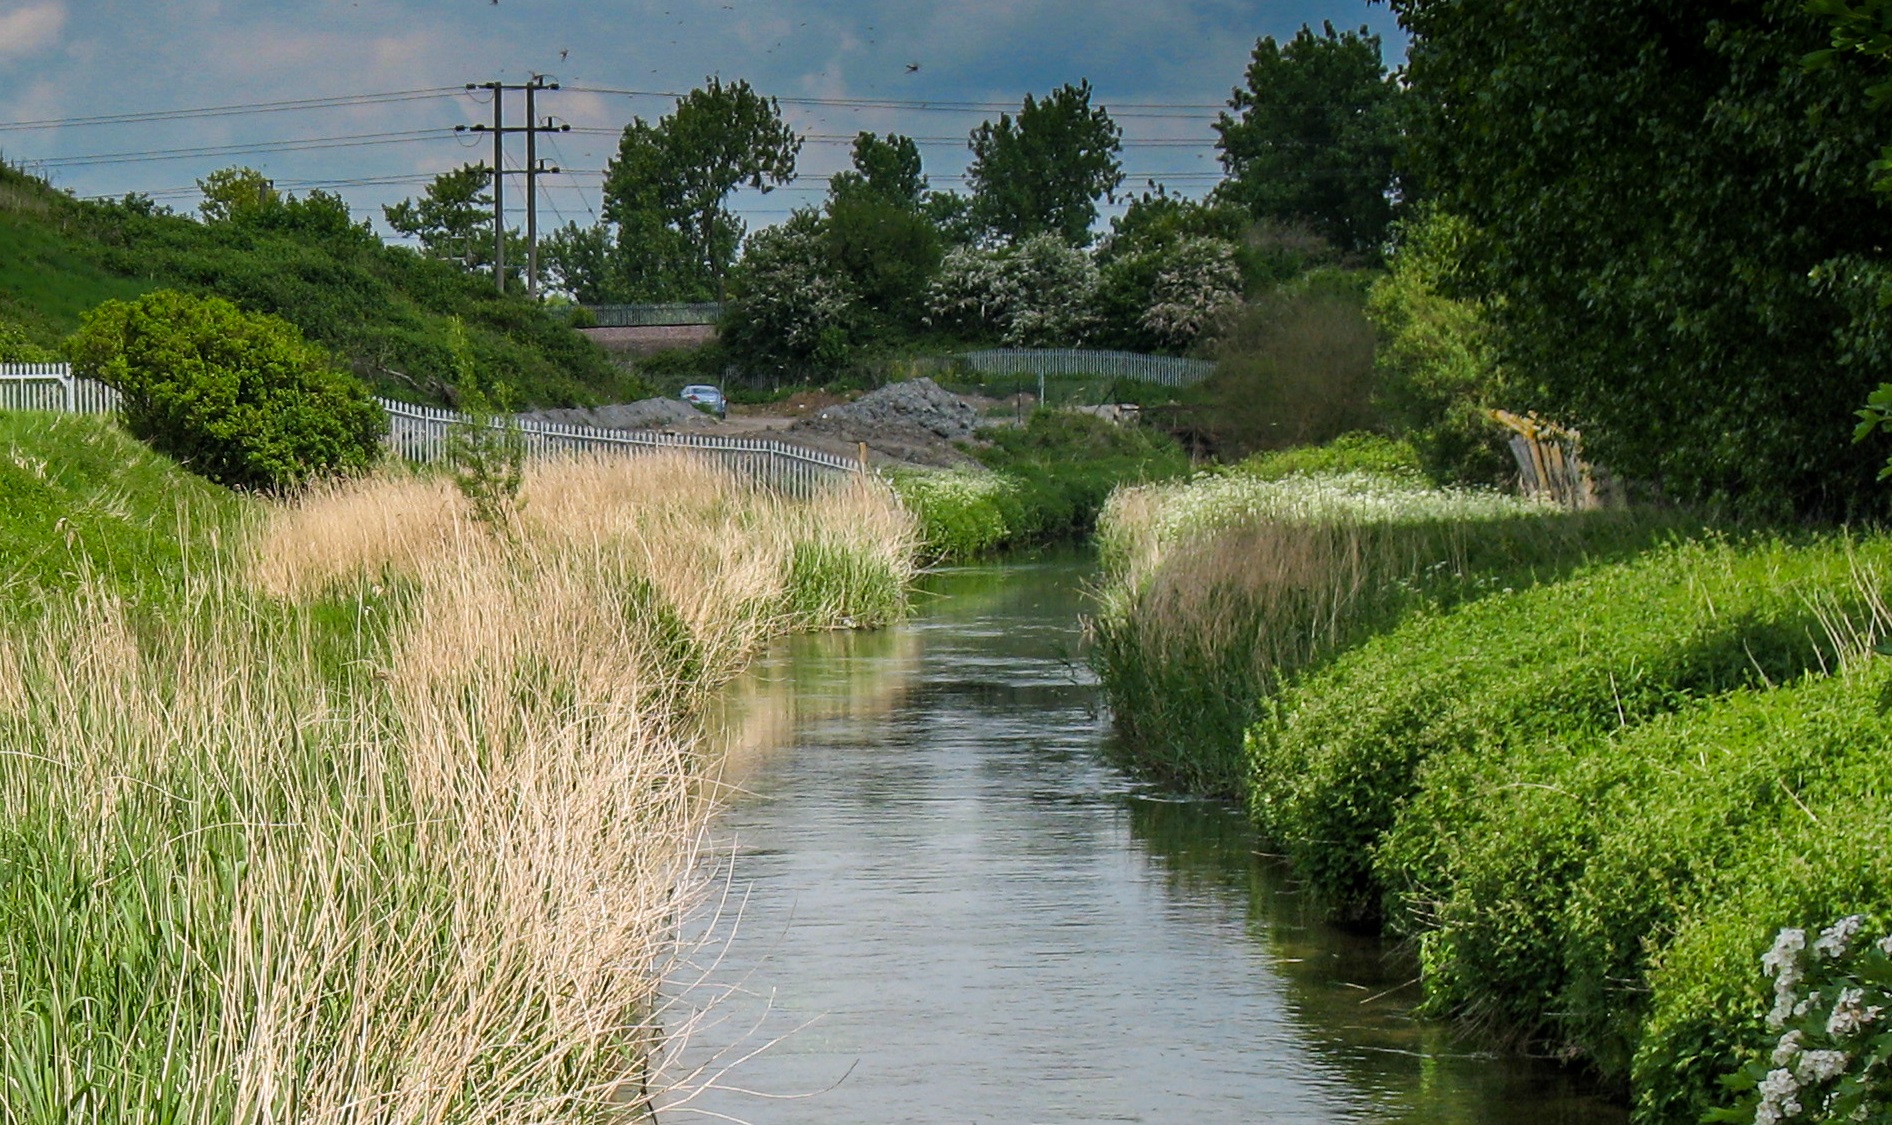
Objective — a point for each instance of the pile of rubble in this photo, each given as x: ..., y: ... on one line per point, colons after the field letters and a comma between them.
x: 914, y: 421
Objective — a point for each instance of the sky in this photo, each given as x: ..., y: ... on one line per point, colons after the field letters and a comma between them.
x: 360, y: 97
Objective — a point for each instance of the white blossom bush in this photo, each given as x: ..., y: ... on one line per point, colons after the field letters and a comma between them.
x: 1056, y: 285
x: 1198, y: 282
x: 791, y: 307
x: 1831, y: 999
x: 1037, y: 294
x: 973, y: 292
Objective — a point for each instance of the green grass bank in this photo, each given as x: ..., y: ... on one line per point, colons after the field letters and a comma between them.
x: 1045, y: 481
x: 1587, y: 766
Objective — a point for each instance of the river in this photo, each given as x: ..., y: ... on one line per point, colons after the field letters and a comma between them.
x: 941, y: 903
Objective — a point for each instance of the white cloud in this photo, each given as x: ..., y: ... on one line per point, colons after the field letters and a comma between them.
x: 27, y: 28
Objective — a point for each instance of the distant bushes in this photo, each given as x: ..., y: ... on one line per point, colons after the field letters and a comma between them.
x: 239, y: 398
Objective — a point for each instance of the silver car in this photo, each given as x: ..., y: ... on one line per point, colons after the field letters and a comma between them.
x: 706, y: 397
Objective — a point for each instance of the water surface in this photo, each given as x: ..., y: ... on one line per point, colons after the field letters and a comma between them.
x: 945, y: 905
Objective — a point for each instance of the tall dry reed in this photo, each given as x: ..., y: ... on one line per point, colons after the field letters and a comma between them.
x: 396, y: 823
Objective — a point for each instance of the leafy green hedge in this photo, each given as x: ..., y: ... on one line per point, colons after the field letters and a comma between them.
x: 1593, y: 803
x: 1342, y: 754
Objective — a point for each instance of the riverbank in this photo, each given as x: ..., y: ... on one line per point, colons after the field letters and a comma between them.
x: 349, y: 801
x: 1589, y: 768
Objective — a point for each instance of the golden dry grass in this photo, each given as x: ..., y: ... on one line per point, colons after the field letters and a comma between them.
x: 426, y: 866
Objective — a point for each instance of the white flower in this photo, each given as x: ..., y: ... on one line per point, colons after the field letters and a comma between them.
x: 1885, y: 945
x: 1778, y: 1097
x: 1787, y: 1048
x: 1820, y: 1066
x: 1836, y: 938
x: 1786, y: 952
x: 1851, y: 1015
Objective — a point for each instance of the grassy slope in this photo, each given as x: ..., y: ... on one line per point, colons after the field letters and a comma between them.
x: 78, y: 497
x: 384, y: 311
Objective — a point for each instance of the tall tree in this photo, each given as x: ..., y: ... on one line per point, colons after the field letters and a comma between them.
x: 886, y: 168
x: 1670, y: 207
x: 877, y: 234
x: 1312, y: 136
x: 234, y: 193
x: 452, y: 218
x: 668, y: 187
x: 1043, y: 171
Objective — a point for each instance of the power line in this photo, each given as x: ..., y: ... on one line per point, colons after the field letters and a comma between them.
x: 935, y: 105
x: 235, y: 109
x: 310, y: 144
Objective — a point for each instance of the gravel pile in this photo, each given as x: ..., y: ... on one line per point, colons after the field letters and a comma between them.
x: 917, y: 407
x: 915, y: 422
x: 647, y: 414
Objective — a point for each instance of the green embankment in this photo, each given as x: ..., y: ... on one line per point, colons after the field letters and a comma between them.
x: 386, y: 312
x: 79, y: 499
x: 1588, y: 766
x: 1594, y: 803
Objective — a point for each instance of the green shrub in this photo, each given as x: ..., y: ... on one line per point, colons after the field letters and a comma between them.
x: 1065, y: 464
x: 1357, y: 452
x: 239, y: 398
x: 963, y: 514
x: 1341, y: 755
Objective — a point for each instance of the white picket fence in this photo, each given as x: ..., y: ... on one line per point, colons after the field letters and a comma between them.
x: 53, y: 386
x: 419, y: 433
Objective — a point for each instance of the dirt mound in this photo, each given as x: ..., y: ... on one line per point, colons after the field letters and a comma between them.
x: 646, y: 414
x: 915, y: 421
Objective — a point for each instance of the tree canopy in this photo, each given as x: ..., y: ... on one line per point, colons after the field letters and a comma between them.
x: 452, y: 216
x: 1676, y: 216
x: 1043, y: 171
x: 668, y: 187
x: 1312, y: 136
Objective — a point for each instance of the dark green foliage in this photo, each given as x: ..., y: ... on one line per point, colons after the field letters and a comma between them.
x: 1043, y: 172
x: 886, y: 168
x: 1312, y: 136
x: 239, y: 398
x: 1662, y: 195
x: 1294, y: 368
x: 452, y: 218
x: 1438, y: 356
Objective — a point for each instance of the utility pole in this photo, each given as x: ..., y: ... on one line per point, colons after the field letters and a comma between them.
x: 533, y: 170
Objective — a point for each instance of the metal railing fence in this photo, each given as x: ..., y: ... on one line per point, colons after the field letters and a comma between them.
x: 1170, y: 371
x: 419, y: 433
x: 655, y: 315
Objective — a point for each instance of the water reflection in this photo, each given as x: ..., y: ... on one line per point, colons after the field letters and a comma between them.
x: 951, y: 909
